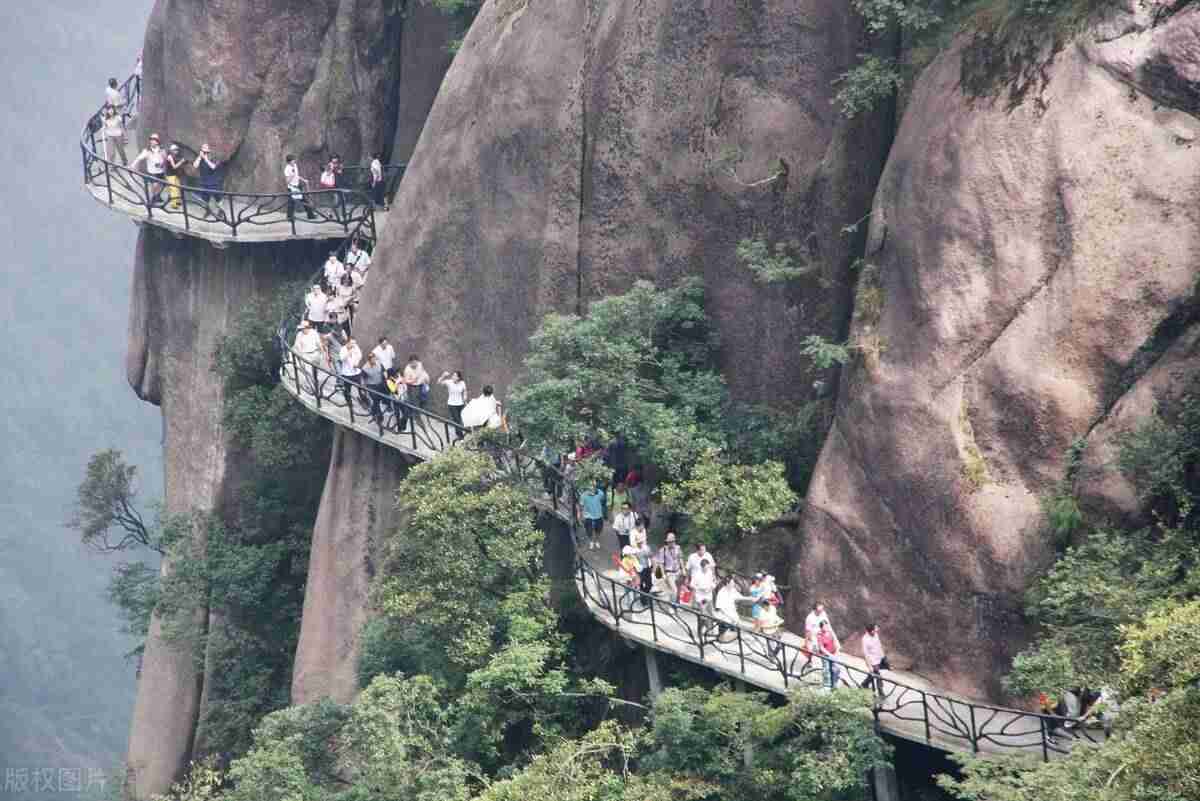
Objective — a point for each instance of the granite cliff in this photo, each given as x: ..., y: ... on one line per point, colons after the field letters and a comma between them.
x: 255, y: 81
x: 1032, y: 253
x: 577, y: 147
x: 1028, y: 274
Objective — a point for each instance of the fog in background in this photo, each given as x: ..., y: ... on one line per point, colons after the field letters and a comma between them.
x: 66, y: 690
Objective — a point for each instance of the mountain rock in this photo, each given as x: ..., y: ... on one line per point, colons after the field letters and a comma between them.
x: 1033, y: 235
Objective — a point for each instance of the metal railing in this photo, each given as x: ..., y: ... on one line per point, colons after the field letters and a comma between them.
x: 767, y: 660
x: 209, y: 209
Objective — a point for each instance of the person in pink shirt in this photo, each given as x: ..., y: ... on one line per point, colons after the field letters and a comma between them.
x: 874, y: 656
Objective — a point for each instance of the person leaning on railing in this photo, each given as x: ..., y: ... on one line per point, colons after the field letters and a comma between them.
x: 114, y: 134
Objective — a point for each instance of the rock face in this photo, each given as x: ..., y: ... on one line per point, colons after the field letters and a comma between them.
x: 577, y: 147
x: 359, y: 498
x: 260, y: 80
x: 1033, y: 249
x: 255, y: 80
x: 185, y: 295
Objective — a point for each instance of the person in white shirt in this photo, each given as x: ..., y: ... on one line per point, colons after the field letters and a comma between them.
x: 334, y: 270
x: 349, y: 358
x: 155, y: 159
x: 308, y: 344
x: 417, y: 380
x: 484, y: 410
x: 624, y: 522
x: 812, y: 627
x: 377, y: 185
x: 385, y: 353
x: 317, y: 304
x: 311, y: 349
x: 725, y: 606
x: 112, y: 95
x: 693, y: 563
x: 295, y: 188
x: 358, y: 261
x: 456, y: 394
x: 703, y: 584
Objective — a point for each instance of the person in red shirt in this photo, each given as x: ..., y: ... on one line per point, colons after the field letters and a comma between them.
x: 827, y: 641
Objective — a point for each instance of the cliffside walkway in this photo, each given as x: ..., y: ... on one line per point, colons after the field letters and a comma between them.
x: 905, y: 705
x: 212, y: 214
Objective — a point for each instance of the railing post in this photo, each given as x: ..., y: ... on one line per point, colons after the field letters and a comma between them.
x: 295, y: 369
x: 87, y: 178
x: 653, y: 622
x: 183, y: 199
x: 232, y: 218
x: 616, y: 603
x: 149, y: 204
x: 107, y: 182
x: 349, y: 398
x: 974, y: 736
x: 741, y: 651
x: 1045, y: 744
x: 342, y: 211
x: 317, y: 385
x: 925, y: 714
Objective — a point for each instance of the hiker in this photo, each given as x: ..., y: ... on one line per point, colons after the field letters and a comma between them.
x: 670, y: 556
x: 829, y: 647
x: 875, y: 658
x: 591, y: 511
x: 624, y: 523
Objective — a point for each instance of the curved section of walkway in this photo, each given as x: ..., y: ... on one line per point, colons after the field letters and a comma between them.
x: 906, y: 706
x: 213, y: 214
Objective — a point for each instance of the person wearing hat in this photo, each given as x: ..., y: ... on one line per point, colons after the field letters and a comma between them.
x: 155, y: 160
x: 308, y: 344
x: 670, y: 556
x: 176, y: 166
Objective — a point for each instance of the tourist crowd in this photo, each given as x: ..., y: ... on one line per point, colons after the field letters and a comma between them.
x: 384, y: 387
x: 168, y: 167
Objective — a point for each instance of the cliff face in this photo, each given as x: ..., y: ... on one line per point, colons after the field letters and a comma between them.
x: 359, y: 499
x: 185, y: 295
x: 1034, y: 255
x: 260, y: 80
x: 576, y: 147
x: 255, y: 80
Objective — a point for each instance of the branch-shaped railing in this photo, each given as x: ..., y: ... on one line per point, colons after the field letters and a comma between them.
x: 209, y: 210
x: 777, y: 662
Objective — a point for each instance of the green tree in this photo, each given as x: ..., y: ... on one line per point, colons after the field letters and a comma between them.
x: 770, y: 265
x: 722, y: 499
x: 638, y: 363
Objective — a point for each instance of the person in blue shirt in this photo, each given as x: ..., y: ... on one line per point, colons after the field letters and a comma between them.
x: 591, y: 508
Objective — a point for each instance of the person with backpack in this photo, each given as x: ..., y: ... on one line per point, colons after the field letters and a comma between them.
x: 875, y: 658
